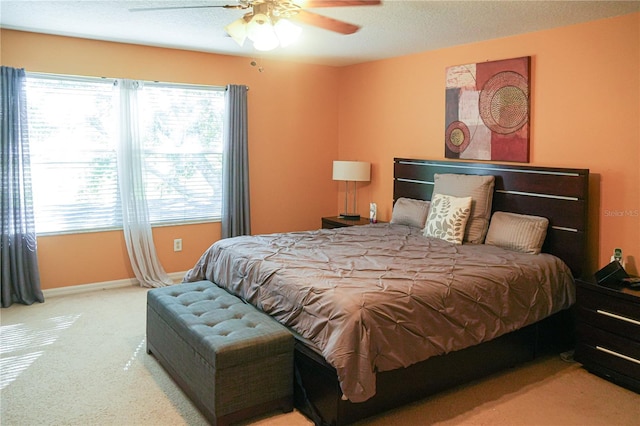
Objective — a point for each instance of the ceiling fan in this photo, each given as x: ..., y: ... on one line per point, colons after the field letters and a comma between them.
x: 268, y: 24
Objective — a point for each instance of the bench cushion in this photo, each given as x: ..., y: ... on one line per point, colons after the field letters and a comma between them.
x: 221, y: 328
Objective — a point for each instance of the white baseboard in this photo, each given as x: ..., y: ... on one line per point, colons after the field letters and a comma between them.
x: 105, y: 285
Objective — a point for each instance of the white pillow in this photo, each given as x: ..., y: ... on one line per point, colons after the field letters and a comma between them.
x: 517, y: 232
x: 411, y: 212
x: 447, y: 218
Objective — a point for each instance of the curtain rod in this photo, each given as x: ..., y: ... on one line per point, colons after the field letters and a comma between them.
x: 75, y: 76
x: 247, y: 87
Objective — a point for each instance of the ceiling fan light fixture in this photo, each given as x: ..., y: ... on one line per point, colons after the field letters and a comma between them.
x: 259, y: 27
x: 287, y: 32
x: 237, y: 30
x: 267, y: 23
x: 268, y: 42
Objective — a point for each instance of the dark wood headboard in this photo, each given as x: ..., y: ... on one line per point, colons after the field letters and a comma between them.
x: 559, y: 194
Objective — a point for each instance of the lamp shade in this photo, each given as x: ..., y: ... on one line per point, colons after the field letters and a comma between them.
x: 287, y: 32
x: 359, y: 171
x: 237, y: 30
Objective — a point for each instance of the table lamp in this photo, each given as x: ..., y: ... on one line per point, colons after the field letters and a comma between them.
x: 351, y: 171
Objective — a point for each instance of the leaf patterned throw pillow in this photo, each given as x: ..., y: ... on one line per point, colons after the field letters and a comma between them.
x: 448, y: 217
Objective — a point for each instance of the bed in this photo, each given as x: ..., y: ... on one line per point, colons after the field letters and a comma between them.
x: 447, y: 292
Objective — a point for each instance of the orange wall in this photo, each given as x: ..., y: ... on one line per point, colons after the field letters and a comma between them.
x: 585, y: 113
x: 292, y: 142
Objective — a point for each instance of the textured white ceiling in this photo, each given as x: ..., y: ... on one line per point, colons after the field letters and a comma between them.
x: 397, y: 27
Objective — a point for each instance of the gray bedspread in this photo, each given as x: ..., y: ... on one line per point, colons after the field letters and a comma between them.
x: 380, y: 297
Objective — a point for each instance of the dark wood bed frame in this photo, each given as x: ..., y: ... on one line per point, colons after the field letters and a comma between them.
x: 559, y: 194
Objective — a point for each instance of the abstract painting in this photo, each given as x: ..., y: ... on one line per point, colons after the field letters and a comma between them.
x: 487, y: 111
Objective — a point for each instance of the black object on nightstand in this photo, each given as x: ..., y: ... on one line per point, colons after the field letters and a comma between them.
x: 608, y: 332
x: 340, y: 222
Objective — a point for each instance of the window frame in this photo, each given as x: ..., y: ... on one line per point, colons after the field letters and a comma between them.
x: 154, y: 224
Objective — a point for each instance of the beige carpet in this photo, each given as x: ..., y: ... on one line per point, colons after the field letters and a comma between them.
x: 81, y: 360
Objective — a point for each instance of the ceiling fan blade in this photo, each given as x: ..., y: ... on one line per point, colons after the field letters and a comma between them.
x: 148, y: 9
x: 311, y: 4
x: 325, y: 22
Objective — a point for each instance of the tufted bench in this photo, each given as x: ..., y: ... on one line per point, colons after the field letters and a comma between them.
x: 233, y: 361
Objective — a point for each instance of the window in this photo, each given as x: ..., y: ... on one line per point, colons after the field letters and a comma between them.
x: 74, y: 160
x: 182, y: 136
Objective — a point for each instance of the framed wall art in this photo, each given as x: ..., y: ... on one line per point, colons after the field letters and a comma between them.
x: 487, y: 111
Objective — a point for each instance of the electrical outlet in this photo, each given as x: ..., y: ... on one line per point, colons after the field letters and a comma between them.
x: 177, y: 244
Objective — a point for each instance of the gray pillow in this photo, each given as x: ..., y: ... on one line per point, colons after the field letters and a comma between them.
x: 517, y: 232
x: 480, y: 189
x: 411, y: 212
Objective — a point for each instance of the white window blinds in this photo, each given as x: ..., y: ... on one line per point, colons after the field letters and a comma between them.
x: 182, y: 137
x: 73, y: 155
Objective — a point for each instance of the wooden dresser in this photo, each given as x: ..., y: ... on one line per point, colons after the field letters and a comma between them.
x: 608, y: 332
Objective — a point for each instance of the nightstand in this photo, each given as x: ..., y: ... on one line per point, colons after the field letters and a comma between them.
x: 608, y: 332
x: 338, y: 222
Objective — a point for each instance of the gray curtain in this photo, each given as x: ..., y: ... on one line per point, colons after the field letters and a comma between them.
x: 235, y: 165
x: 19, y: 275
